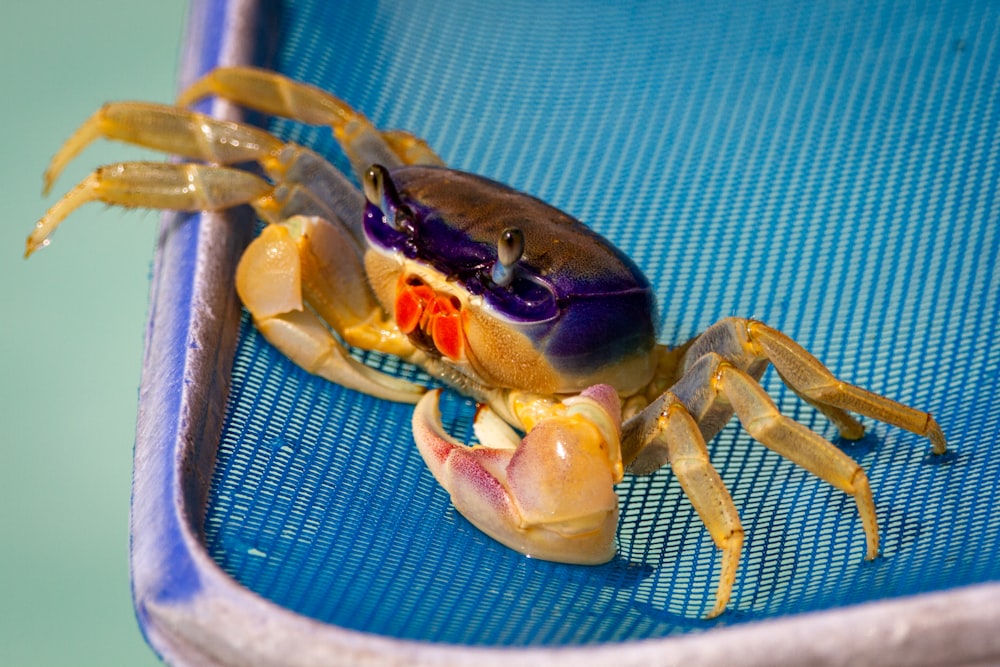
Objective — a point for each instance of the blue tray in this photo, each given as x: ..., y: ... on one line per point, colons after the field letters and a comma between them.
x: 831, y: 169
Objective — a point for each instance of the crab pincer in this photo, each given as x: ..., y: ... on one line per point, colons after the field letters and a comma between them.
x: 551, y: 494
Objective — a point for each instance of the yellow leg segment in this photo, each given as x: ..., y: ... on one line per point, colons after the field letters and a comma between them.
x: 689, y: 460
x: 277, y: 95
x: 716, y: 376
x: 170, y: 130
x: 410, y: 148
x: 811, y: 379
x: 184, y: 187
x: 799, y: 444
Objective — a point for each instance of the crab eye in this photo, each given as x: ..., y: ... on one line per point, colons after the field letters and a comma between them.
x: 380, y: 191
x: 510, y: 248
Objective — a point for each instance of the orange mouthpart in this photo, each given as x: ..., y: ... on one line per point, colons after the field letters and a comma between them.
x: 429, y: 317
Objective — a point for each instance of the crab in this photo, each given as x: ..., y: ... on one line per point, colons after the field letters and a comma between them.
x: 493, y: 293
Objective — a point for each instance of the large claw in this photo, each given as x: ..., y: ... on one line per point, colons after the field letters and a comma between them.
x: 551, y: 496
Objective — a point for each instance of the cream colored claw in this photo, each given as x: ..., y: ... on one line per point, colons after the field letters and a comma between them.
x: 286, y: 278
x: 550, y: 497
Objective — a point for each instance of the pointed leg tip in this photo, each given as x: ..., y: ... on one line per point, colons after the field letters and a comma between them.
x: 934, y: 433
x: 30, y: 246
x: 718, y: 610
x: 851, y: 432
x: 872, y: 543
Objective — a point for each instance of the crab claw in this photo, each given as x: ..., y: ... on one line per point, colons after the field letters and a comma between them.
x: 552, y: 495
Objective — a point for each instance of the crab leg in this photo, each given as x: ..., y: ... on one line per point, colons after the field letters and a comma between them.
x: 714, y: 381
x: 672, y: 435
x: 811, y: 380
x: 284, y: 277
x: 185, y: 187
x: 199, y: 137
x: 750, y: 345
x: 277, y: 95
x: 720, y: 373
x: 170, y: 130
x: 761, y: 418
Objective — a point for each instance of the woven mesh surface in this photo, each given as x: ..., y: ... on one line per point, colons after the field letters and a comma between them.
x: 830, y: 169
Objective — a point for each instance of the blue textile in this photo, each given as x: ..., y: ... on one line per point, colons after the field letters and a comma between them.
x: 829, y: 168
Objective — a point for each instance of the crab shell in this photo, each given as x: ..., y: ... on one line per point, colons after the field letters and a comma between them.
x: 577, y: 311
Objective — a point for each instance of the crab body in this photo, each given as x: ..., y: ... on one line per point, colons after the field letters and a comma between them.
x: 497, y: 295
x: 554, y: 328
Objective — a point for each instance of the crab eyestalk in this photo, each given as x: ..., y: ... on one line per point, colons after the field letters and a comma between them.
x: 552, y: 495
x: 380, y: 191
x: 510, y: 248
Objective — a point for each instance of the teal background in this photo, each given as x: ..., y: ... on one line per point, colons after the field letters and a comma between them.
x: 73, y: 323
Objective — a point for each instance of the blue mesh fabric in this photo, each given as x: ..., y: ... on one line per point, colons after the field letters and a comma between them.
x: 830, y: 168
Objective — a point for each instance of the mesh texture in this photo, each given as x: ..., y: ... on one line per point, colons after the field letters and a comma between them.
x: 831, y: 169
